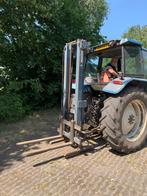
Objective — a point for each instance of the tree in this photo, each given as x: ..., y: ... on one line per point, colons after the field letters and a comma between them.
x: 137, y: 32
x: 32, y: 36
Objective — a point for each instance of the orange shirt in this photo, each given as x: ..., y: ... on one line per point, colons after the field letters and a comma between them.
x: 107, y: 75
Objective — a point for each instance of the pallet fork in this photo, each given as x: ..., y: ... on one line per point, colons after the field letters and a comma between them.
x: 54, y: 143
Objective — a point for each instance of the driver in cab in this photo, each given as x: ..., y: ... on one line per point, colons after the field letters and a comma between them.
x: 110, y: 71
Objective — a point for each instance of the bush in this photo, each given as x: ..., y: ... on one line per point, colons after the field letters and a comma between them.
x: 11, y: 107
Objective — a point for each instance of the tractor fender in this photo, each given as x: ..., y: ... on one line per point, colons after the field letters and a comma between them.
x: 115, y: 88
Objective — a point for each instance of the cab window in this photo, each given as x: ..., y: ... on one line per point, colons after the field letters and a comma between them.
x: 91, y: 65
x: 144, y: 52
x: 105, y: 61
x: 133, y: 61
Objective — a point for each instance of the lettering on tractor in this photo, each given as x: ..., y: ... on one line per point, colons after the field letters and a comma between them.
x: 104, y: 94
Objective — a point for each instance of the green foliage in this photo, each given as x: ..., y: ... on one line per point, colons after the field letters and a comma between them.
x: 3, y: 77
x: 32, y: 36
x: 11, y: 107
x: 137, y: 32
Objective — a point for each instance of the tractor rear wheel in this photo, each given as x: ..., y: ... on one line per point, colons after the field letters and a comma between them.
x: 124, y: 120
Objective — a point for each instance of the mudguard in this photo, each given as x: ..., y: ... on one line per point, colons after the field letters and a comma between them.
x: 113, y: 88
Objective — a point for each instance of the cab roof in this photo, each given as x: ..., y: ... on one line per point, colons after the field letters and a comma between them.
x: 116, y: 43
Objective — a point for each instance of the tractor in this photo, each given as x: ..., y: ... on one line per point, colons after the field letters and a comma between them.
x: 115, y: 110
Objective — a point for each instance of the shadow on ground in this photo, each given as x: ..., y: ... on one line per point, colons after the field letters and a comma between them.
x: 38, y: 125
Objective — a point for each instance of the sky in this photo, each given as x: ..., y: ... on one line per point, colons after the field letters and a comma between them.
x: 123, y: 14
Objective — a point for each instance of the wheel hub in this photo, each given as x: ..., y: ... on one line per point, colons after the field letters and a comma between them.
x: 134, y: 119
x: 131, y: 119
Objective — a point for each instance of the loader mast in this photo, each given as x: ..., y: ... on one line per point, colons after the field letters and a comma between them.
x: 77, y: 48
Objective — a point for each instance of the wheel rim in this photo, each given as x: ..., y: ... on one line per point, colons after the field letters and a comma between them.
x: 134, y: 120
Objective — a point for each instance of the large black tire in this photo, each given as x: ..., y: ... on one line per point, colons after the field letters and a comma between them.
x: 117, y: 109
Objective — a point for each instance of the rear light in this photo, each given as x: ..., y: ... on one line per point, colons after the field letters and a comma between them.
x: 118, y: 82
x: 73, y: 81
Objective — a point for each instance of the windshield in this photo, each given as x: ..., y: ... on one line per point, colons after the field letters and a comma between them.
x: 91, y: 66
x: 133, y: 61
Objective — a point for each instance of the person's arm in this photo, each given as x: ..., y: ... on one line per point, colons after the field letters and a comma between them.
x: 114, y: 73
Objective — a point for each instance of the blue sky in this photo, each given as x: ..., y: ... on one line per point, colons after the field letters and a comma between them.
x: 123, y: 14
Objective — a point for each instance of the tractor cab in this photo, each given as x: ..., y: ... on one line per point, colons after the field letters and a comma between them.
x: 129, y: 62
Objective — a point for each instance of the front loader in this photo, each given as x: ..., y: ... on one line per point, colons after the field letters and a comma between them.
x: 91, y: 108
